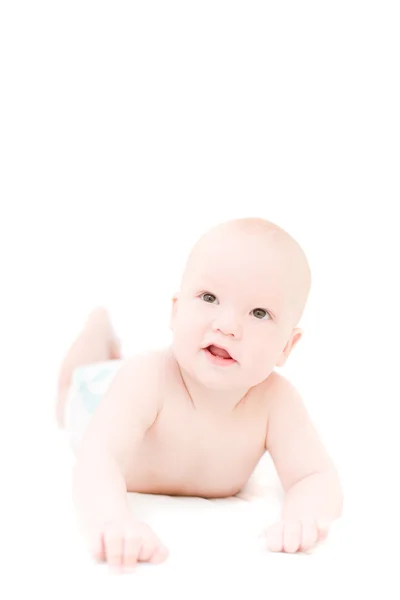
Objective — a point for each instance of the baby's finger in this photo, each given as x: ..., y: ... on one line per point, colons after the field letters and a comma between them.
x: 292, y: 536
x: 323, y: 530
x: 148, y: 548
x: 97, y: 548
x: 274, y: 535
x: 309, y: 535
x: 160, y: 554
x: 114, y: 546
x: 132, y: 549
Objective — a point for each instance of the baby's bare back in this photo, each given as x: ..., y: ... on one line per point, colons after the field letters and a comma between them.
x: 185, y: 451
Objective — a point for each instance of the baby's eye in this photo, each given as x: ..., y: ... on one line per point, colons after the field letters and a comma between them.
x: 210, y: 298
x: 260, y: 313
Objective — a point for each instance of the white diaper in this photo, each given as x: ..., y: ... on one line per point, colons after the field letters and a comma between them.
x: 88, y: 385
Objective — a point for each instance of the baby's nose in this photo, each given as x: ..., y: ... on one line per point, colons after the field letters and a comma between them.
x: 228, y: 324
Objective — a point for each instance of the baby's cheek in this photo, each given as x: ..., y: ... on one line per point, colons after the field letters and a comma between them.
x: 185, y: 339
x: 260, y: 365
x: 190, y: 321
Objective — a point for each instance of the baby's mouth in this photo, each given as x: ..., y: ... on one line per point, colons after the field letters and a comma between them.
x: 216, y: 351
x: 219, y: 356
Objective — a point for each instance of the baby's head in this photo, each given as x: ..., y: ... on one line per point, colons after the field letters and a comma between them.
x: 244, y: 287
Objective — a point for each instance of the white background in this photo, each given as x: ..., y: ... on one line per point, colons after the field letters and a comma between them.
x: 128, y: 129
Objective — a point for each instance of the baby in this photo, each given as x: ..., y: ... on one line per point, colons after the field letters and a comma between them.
x: 195, y: 418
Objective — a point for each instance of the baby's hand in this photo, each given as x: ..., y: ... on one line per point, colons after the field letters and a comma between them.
x: 124, y: 542
x: 295, y: 536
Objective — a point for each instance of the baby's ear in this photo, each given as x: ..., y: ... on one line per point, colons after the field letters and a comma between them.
x: 294, y: 338
x: 173, y: 309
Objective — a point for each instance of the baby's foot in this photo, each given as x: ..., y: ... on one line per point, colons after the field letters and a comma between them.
x: 96, y: 342
x: 99, y: 325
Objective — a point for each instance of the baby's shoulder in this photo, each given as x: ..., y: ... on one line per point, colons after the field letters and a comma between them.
x: 276, y: 389
x: 276, y: 381
x: 154, y: 368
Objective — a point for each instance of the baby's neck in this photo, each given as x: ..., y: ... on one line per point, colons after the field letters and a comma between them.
x: 203, y: 399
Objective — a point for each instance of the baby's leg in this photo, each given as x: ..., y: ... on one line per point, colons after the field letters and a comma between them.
x: 96, y: 342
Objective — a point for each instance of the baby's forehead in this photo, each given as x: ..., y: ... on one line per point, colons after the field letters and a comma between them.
x: 247, y: 283
x: 239, y: 262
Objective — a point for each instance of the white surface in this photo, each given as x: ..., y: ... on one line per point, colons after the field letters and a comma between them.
x: 214, y: 546
x: 207, y: 539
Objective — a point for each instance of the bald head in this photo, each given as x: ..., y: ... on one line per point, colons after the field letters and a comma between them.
x: 267, y: 242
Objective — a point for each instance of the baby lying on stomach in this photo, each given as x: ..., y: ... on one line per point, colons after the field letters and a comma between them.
x: 196, y: 417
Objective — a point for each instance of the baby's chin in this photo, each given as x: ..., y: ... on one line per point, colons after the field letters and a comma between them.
x: 221, y: 378
x: 209, y: 376
x: 235, y: 377
x: 223, y: 382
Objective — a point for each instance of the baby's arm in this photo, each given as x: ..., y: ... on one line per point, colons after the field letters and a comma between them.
x: 103, y: 461
x: 309, y: 478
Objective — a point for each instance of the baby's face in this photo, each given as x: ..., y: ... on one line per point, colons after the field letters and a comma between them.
x: 240, y: 296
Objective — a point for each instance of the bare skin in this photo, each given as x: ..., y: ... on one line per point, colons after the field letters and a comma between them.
x: 181, y: 451
x: 174, y: 422
x: 216, y: 457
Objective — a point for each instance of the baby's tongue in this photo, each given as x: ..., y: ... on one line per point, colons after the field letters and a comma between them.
x: 219, y: 352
